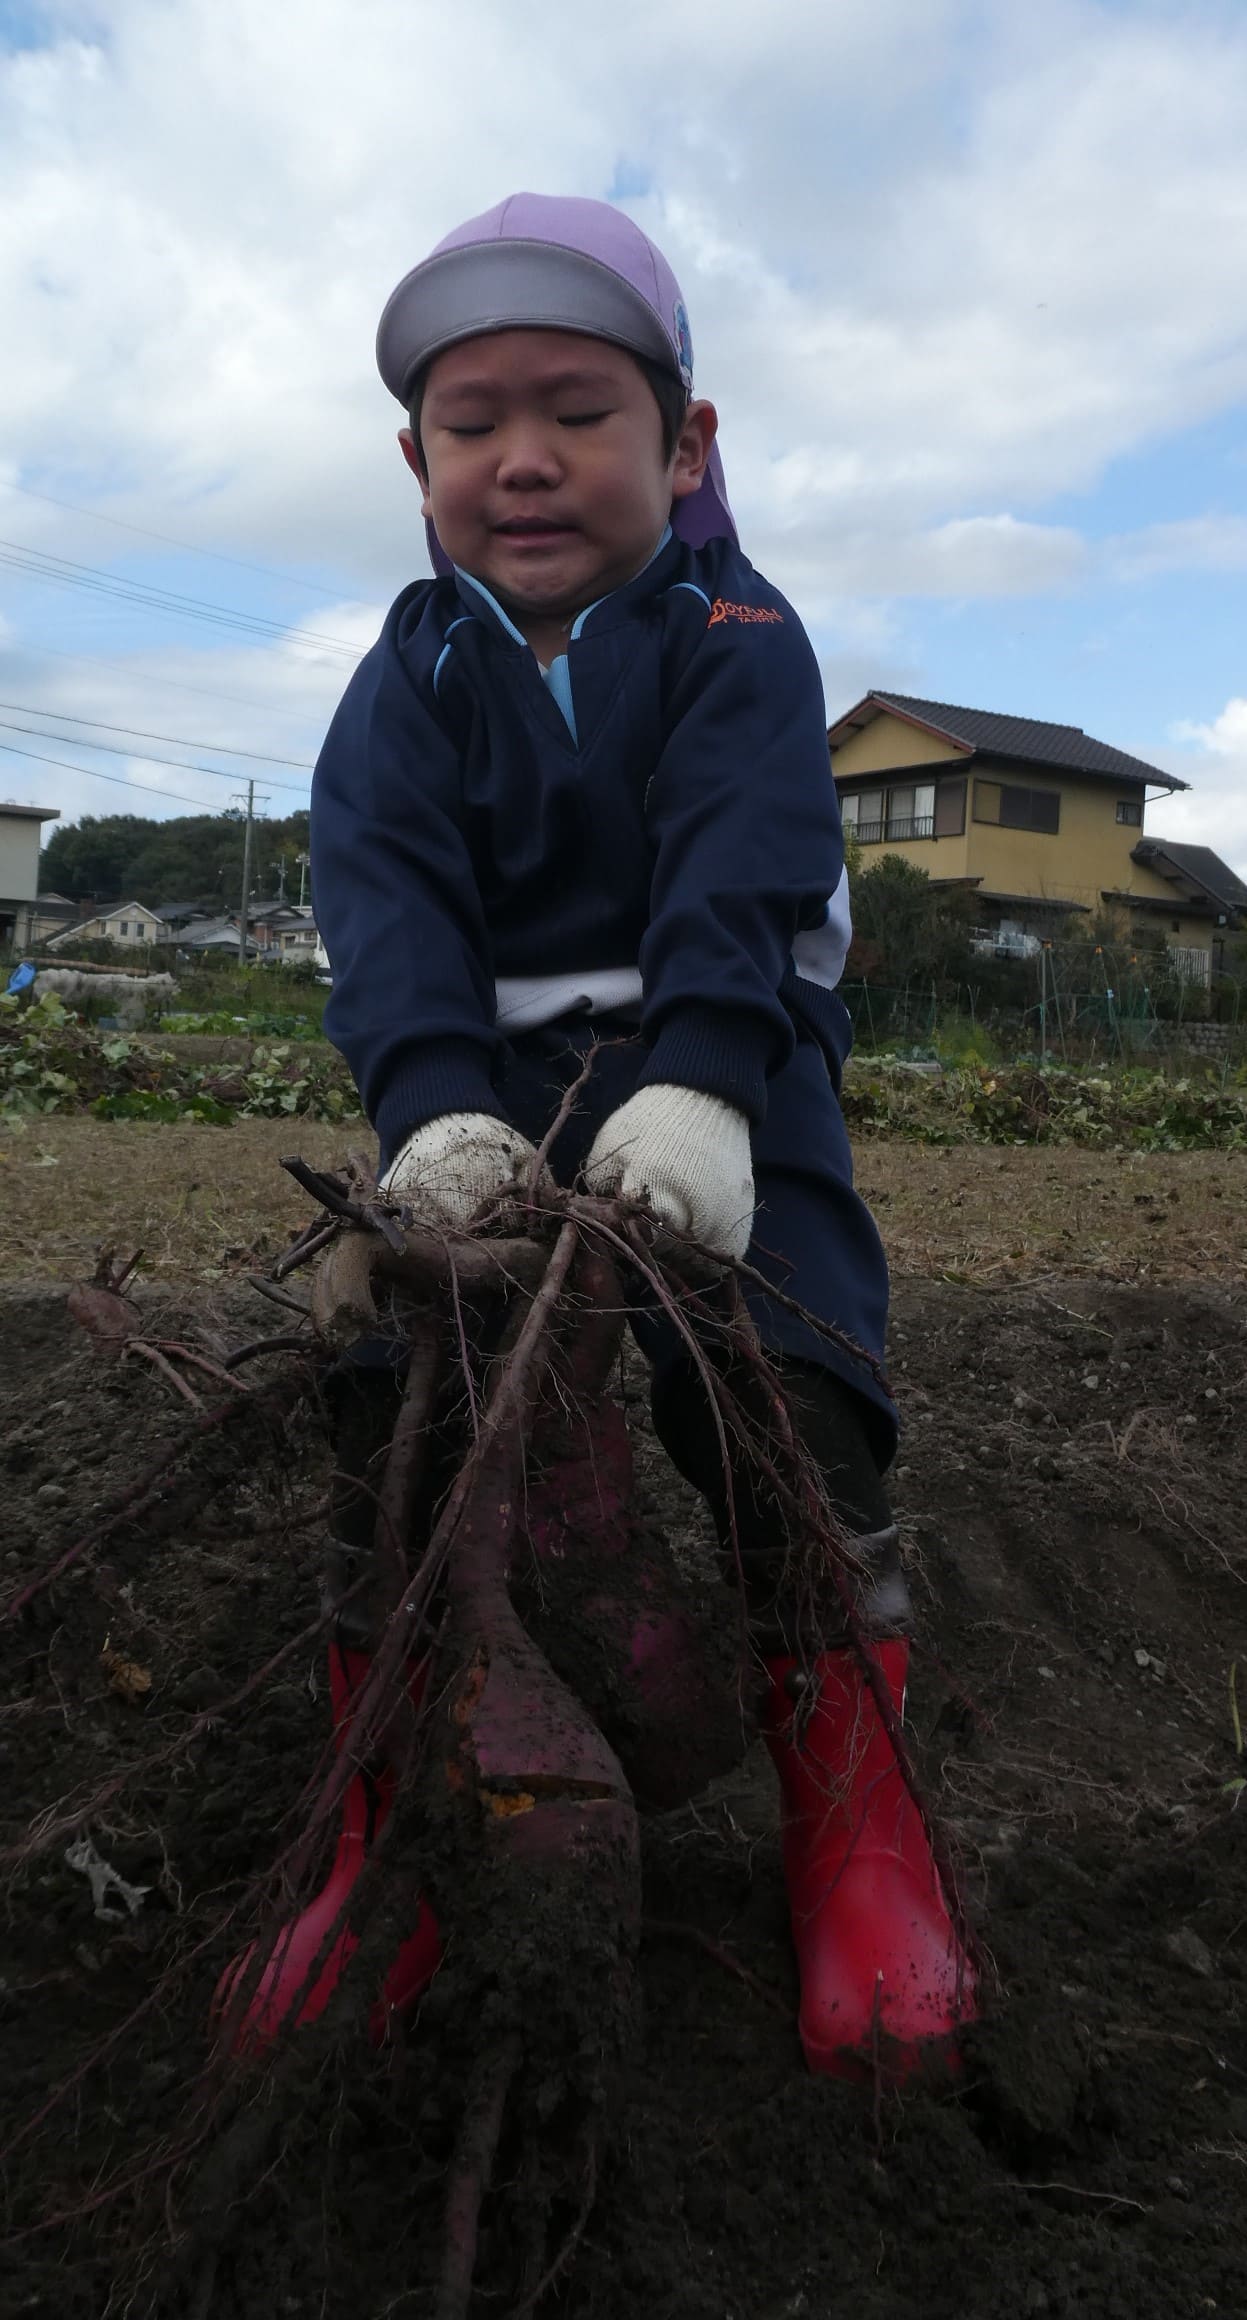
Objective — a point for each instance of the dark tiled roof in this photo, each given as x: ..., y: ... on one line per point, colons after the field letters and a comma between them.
x: 1028, y: 738
x: 1052, y: 903
x: 1197, y: 863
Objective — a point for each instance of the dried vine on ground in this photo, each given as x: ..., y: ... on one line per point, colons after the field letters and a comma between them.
x: 524, y: 1814
x: 1069, y: 1486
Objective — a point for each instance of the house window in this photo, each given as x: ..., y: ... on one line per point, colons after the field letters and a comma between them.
x: 862, y: 812
x: 904, y: 811
x: 1130, y: 812
x: 911, y: 811
x: 124, y: 928
x: 1017, y: 809
x: 950, y: 808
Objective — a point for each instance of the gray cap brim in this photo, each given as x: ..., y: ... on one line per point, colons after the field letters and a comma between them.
x: 510, y: 285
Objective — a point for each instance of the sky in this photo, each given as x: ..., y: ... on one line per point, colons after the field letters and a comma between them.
x: 968, y: 284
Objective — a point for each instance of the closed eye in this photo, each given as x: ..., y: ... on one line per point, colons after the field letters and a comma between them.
x: 484, y: 428
x: 583, y: 418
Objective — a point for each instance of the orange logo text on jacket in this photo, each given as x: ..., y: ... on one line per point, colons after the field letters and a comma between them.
x: 720, y: 610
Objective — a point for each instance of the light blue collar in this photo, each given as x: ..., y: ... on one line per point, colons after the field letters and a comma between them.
x: 468, y: 580
x: 558, y: 677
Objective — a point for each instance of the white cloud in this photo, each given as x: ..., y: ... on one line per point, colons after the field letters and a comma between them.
x: 190, y: 703
x: 1213, y: 758
x: 1226, y: 736
x: 1212, y: 543
x: 202, y: 217
x: 945, y: 261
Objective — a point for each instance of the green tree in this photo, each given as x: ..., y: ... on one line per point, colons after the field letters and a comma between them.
x: 196, y: 858
x: 907, y: 930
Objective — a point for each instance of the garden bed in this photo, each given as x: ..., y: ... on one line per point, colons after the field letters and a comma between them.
x: 1071, y: 1487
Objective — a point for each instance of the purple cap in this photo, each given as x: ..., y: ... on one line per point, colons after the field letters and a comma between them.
x: 542, y: 262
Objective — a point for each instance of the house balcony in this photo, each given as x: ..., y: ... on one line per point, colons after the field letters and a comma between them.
x: 1191, y: 966
x: 897, y: 830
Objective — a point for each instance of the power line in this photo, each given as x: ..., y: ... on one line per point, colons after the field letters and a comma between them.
x: 53, y: 652
x: 63, y: 572
x: 179, y: 740
x: 114, y: 778
x: 144, y: 531
x: 146, y: 756
x: 59, y: 571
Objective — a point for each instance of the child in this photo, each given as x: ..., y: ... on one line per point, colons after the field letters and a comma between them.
x: 579, y: 790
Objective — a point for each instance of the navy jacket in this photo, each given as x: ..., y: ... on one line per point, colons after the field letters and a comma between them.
x: 678, y: 816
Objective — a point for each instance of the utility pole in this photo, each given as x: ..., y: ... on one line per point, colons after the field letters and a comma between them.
x: 246, y: 875
x: 302, y: 860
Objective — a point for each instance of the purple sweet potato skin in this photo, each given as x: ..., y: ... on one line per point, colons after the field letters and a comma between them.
x: 658, y: 1661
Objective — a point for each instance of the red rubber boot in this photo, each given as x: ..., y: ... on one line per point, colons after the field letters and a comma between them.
x: 284, y: 1983
x: 883, y: 1973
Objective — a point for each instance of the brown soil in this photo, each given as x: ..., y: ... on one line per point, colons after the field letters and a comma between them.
x: 995, y: 1215
x: 1071, y: 1486
x: 201, y: 1200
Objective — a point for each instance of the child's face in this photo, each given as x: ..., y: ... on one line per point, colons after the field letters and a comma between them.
x: 546, y: 476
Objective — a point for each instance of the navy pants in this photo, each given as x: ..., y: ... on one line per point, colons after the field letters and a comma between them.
x: 813, y: 1235
x: 814, y: 1239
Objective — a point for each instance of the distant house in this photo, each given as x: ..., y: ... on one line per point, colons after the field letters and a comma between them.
x: 285, y: 932
x: 19, y: 870
x: 292, y: 936
x: 130, y: 924
x: 1200, y: 885
x: 50, y: 914
x: 174, y: 916
x: 1037, y: 820
x: 213, y: 934
x: 281, y: 933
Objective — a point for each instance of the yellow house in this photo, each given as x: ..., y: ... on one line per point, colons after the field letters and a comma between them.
x: 1039, y: 820
x: 128, y: 923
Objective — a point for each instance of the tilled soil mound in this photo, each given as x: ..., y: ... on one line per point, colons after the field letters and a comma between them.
x: 1072, y: 1489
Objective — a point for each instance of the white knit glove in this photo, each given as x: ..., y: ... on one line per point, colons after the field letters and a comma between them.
x: 685, y: 1153
x: 453, y: 1163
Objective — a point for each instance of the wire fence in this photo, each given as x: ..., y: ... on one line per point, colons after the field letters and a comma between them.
x: 1105, y: 1006
x: 1088, y: 1005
